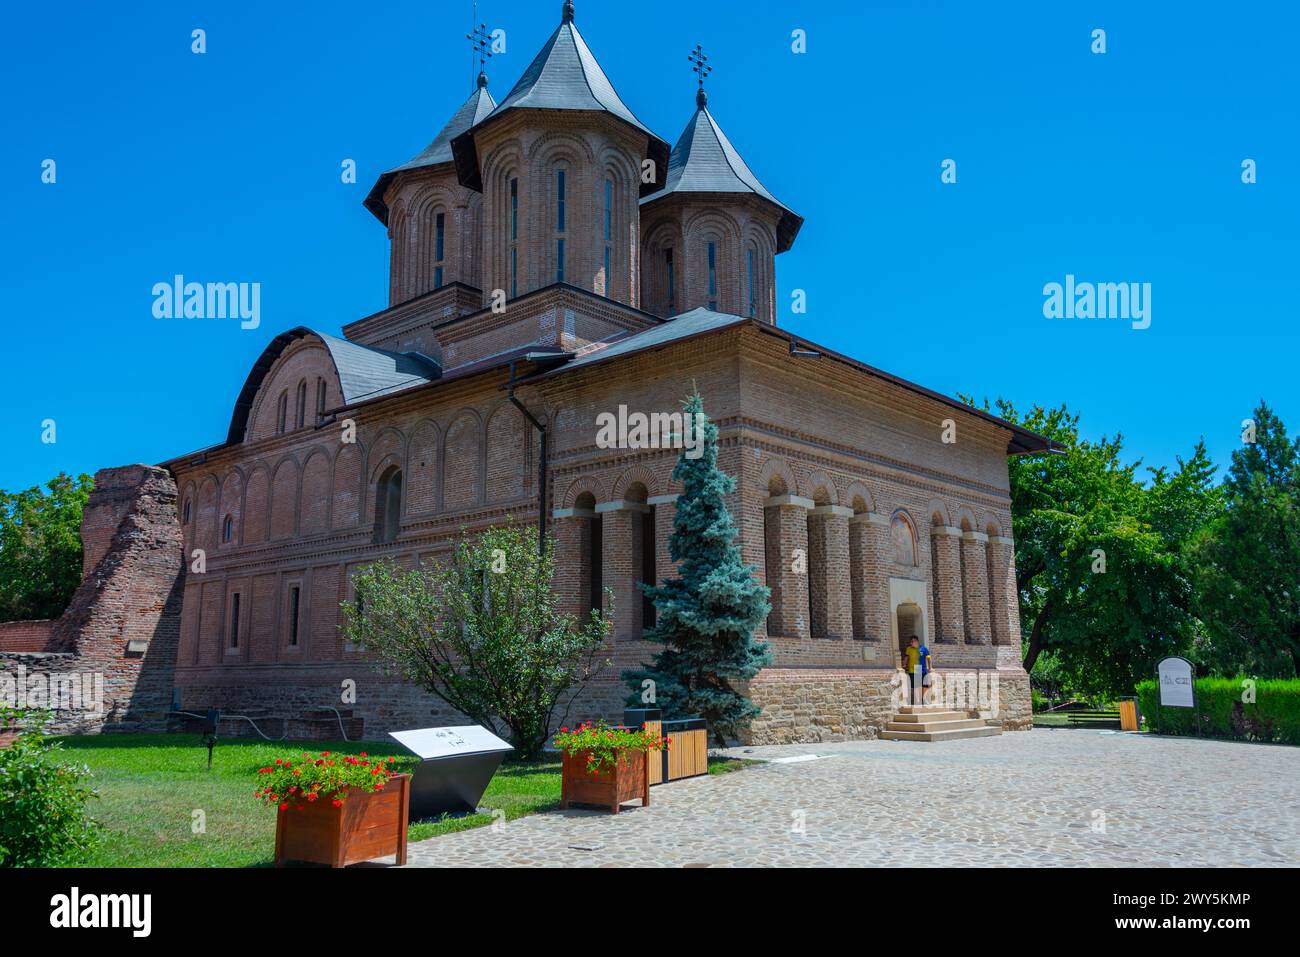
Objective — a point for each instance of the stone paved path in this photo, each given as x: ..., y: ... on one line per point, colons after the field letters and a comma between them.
x: 1022, y: 799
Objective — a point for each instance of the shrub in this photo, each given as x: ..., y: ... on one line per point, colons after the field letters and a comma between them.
x: 1273, y: 716
x: 43, y: 816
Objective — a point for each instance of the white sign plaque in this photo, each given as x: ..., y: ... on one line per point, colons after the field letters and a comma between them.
x: 1175, y: 678
x: 446, y: 742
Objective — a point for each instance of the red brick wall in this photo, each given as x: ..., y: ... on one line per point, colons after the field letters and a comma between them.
x: 25, y: 635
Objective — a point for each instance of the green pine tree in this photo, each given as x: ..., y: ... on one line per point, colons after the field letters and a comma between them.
x: 706, y: 614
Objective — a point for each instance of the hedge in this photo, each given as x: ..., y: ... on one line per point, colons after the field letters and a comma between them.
x: 1274, y: 715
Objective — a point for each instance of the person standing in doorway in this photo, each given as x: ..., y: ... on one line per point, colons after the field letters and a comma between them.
x: 918, y: 668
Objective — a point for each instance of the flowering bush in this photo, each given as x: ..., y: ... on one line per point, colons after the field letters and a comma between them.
x: 603, y: 742
x: 295, y: 783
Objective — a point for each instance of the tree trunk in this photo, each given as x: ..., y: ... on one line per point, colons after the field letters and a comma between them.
x: 1036, y: 637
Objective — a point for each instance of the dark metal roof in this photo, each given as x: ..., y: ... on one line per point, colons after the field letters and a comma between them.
x: 688, y: 324
x: 704, y: 161
x: 563, y: 76
x: 364, y: 372
x: 473, y: 110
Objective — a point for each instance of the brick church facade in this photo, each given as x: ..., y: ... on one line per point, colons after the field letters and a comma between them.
x: 553, y: 259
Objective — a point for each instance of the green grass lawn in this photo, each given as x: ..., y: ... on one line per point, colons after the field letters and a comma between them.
x: 151, y: 785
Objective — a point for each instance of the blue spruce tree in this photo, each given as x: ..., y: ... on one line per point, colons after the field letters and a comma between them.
x: 706, y: 614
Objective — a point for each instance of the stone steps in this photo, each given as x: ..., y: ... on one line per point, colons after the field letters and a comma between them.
x: 931, y: 722
x: 986, y: 731
x: 959, y: 723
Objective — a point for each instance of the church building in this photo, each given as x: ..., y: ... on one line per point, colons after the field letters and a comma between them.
x: 553, y: 259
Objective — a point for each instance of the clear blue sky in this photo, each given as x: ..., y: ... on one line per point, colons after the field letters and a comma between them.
x: 225, y: 167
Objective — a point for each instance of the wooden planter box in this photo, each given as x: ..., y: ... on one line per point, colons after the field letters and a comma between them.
x: 609, y: 787
x: 370, y: 824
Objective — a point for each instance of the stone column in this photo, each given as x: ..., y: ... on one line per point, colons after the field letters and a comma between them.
x: 1004, y: 601
x: 620, y: 554
x: 945, y: 567
x: 830, y: 605
x: 665, y: 507
x: 868, y: 558
x: 975, y: 588
x: 786, y: 540
x: 572, y: 576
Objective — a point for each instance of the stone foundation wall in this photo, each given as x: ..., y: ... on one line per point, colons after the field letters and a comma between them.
x: 810, y: 705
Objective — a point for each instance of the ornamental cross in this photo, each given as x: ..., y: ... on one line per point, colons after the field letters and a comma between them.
x: 700, y: 61
x: 481, y: 43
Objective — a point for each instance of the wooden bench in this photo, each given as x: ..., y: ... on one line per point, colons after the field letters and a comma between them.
x: 1101, y: 719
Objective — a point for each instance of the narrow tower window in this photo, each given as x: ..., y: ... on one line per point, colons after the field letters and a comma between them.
x: 320, y: 397
x: 514, y: 238
x: 302, y: 403
x: 440, y: 234
x: 672, y: 281
x: 282, y: 412
x: 559, y: 225
x: 609, y: 232
x: 713, y: 276
x: 234, y: 620
x: 295, y: 594
x: 753, y: 307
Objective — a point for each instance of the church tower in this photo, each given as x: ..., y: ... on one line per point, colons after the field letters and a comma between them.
x: 433, y: 222
x: 559, y: 164
x: 710, y: 236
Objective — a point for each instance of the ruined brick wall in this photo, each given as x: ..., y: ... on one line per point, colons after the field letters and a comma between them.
x: 22, y: 636
x: 116, y: 642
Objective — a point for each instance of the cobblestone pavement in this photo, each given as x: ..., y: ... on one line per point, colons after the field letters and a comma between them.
x: 1046, y: 797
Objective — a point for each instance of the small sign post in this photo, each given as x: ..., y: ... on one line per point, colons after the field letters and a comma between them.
x: 1176, y: 688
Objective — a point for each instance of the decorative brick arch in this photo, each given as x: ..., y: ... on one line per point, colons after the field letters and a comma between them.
x: 636, y: 473
x: 207, y: 518
x: 858, y: 491
x: 463, y: 460
x: 966, y: 519
x: 423, y: 469
x: 257, y: 504
x: 285, y: 489
x: 586, y: 483
x: 819, y: 480
x: 780, y: 469
x: 317, y: 497
x: 388, y: 442
x: 345, y: 507
x: 231, y: 502
x: 989, y: 524
x: 936, y: 507
x: 509, y: 454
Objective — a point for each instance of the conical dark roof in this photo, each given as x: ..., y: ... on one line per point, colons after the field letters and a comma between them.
x: 473, y: 110
x: 704, y: 161
x: 563, y: 76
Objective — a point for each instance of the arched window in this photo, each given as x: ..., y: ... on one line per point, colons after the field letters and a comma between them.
x: 713, y: 275
x: 609, y: 235
x: 514, y: 237
x: 671, y: 279
x: 388, y: 505
x: 439, y: 247
x: 560, y: 201
x: 903, y: 536
x: 753, y: 296
x: 282, y: 413
x: 591, y: 559
x: 302, y: 403
x: 228, y: 529
x: 320, y: 397
x: 185, y: 512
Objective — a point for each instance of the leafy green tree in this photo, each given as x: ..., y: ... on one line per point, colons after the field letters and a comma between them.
x: 1248, y: 560
x: 1103, y: 563
x: 707, y: 613
x: 40, y: 547
x: 481, y: 631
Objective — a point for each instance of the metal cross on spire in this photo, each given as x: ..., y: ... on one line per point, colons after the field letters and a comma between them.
x: 481, y: 43
x: 701, y: 68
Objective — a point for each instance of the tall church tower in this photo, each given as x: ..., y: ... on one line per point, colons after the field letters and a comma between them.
x: 559, y: 165
x: 433, y: 222
x: 710, y: 236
